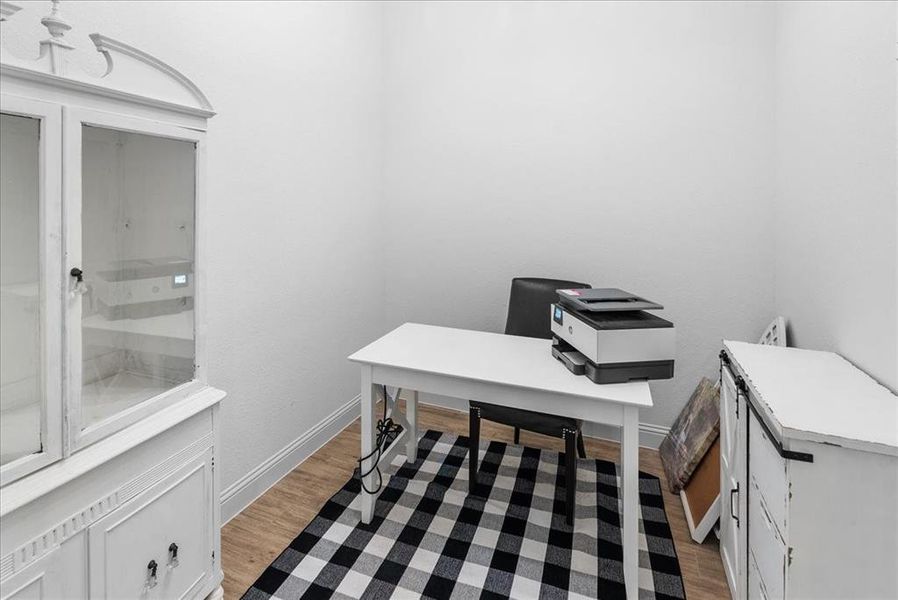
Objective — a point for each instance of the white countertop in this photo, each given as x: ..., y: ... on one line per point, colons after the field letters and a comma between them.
x: 491, y: 357
x: 819, y: 396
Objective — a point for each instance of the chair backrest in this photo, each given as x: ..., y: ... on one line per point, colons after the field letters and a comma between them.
x: 528, y: 305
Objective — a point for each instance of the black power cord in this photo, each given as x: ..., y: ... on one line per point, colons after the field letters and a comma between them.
x: 387, y: 431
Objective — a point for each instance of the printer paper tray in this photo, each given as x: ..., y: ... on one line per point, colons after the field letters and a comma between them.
x: 612, y: 372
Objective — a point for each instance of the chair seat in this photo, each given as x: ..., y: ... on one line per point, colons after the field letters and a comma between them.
x: 551, y: 425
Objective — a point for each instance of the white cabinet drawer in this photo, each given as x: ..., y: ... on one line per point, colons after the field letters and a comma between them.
x: 768, y: 474
x: 766, y: 549
x: 173, y: 516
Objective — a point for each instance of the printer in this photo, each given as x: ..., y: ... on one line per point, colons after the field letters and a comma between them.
x: 137, y: 289
x: 608, y: 335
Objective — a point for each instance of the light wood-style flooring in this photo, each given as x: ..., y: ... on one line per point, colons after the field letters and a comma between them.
x: 252, y: 539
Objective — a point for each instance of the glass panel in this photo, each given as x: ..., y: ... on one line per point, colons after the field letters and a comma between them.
x: 137, y: 226
x: 20, y: 316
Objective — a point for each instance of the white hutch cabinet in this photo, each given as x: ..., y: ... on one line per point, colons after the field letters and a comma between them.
x: 809, y: 476
x: 108, y: 429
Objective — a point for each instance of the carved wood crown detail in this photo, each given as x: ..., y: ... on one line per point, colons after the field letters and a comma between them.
x: 129, y: 71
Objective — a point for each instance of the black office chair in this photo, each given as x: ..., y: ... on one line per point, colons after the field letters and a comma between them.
x: 528, y: 315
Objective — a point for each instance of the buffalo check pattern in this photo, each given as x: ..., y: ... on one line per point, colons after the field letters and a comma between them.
x: 431, y: 539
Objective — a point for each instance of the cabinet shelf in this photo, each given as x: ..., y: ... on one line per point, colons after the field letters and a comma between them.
x: 111, y: 395
x: 176, y: 326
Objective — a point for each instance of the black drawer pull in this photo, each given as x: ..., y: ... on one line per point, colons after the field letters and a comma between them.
x: 733, y: 492
x: 151, y: 574
x: 172, y: 555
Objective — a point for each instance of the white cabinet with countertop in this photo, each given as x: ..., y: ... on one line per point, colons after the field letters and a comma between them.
x: 109, y: 486
x: 809, y: 476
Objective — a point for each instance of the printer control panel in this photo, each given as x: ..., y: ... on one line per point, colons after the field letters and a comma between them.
x: 558, y: 314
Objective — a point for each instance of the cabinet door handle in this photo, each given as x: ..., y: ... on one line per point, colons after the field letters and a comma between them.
x: 151, y: 574
x: 734, y: 491
x: 173, y: 555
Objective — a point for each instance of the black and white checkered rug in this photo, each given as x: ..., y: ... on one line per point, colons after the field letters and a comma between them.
x: 430, y: 539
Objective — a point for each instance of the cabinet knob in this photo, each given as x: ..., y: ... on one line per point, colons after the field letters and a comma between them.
x: 80, y: 287
x: 151, y: 574
x: 173, y: 555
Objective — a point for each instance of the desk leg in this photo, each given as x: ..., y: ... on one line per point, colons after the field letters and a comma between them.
x: 369, y: 397
x: 411, y: 415
x: 629, y: 458
x: 473, y: 447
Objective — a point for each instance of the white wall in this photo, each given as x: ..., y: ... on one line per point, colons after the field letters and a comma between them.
x: 623, y: 144
x: 836, y: 254
x: 420, y: 155
x: 294, y: 174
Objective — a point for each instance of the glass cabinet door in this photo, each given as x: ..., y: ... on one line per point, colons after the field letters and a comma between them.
x: 20, y: 322
x: 137, y: 231
x: 30, y: 286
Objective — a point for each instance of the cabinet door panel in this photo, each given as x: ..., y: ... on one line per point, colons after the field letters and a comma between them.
x: 21, y: 404
x: 132, y: 328
x: 732, y: 485
x: 30, y: 286
x: 729, y: 430
x: 137, y: 233
x: 175, y: 512
x: 58, y: 575
x: 768, y: 475
x: 756, y: 589
x: 767, y: 549
x: 33, y: 590
x: 729, y: 534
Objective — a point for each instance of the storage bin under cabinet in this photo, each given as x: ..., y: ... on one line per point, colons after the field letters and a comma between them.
x: 809, y: 476
x: 108, y: 426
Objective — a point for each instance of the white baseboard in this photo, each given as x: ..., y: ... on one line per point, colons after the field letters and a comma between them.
x: 650, y: 435
x: 245, y: 490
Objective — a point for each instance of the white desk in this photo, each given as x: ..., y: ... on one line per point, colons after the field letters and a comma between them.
x: 506, y: 370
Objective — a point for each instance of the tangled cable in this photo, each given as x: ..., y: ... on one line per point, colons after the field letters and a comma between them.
x: 387, y: 431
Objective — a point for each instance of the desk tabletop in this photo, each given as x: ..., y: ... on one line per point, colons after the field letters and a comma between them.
x: 491, y: 357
